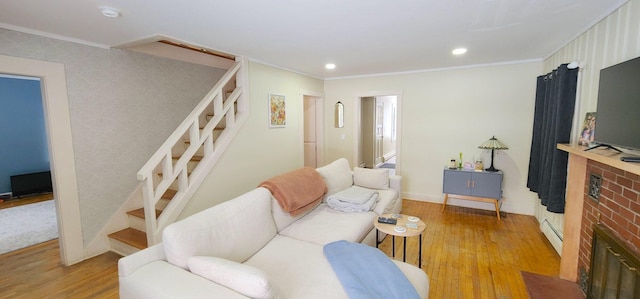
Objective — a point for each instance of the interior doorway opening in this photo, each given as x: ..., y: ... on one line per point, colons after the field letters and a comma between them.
x: 378, y: 131
x: 61, y: 157
x: 313, y: 132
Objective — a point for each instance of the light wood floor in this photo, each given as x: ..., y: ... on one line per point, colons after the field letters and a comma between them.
x: 25, y: 200
x: 467, y: 253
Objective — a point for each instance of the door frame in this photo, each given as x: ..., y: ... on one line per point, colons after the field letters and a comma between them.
x: 320, y: 103
x: 357, y: 133
x: 61, y: 157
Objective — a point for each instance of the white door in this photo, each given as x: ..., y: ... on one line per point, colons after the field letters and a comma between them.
x: 310, y: 132
x: 379, y: 133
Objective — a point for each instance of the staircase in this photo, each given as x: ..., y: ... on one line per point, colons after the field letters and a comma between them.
x: 179, y: 166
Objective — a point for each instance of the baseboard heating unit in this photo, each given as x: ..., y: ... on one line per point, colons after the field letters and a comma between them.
x: 552, y: 234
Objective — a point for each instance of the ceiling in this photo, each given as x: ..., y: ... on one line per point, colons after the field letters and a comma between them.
x: 362, y: 37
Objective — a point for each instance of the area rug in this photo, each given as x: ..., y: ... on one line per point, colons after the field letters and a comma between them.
x: 544, y: 287
x: 27, y: 225
x: 388, y: 165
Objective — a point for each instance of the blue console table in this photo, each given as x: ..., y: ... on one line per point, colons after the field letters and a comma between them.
x: 465, y: 184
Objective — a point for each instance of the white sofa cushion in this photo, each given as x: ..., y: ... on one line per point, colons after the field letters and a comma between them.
x: 386, y: 201
x: 244, y: 279
x: 159, y: 279
x: 371, y: 178
x: 337, y: 175
x: 233, y: 230
x: 298, y: 269
x: 325, y: 225
x: 282, y: 218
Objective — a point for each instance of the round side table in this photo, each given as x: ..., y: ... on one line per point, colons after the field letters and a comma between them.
x: 409, y: 232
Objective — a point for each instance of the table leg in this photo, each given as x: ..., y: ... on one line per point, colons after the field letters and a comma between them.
x: 420, y: 253
x: 444, y: 203
x: 393, y: 246
x: 377, y: 238
x: 404, y: 250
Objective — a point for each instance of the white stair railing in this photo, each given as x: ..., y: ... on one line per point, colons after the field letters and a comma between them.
x: 200, y: 139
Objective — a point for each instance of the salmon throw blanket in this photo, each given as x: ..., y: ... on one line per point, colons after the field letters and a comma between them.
x: 297, y: 191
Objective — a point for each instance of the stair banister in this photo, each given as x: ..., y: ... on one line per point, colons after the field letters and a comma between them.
x: 163, y: 158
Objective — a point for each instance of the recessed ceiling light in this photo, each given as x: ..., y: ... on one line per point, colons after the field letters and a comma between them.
x: 330, y: 66
x: 109, y: 12
x: 459, y: 51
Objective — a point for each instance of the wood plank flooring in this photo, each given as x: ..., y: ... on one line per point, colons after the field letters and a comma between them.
x: 36, y: 272
x: 5, y: 204
x: 467, y: 253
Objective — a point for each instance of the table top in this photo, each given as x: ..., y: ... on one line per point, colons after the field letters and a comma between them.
x: 388, y: 228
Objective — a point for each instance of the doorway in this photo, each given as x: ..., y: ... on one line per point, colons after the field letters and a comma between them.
x: 378, y: 131
x: 312, y: 130
x: 25, y: 180
x: 61, y: 157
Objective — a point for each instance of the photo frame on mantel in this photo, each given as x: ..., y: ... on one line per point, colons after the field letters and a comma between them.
x: 277, y: 111
x: 588, y: 129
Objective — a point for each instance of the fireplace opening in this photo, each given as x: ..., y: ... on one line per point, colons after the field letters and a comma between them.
x: 614, y: 268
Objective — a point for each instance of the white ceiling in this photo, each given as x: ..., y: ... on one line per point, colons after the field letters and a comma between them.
x: 361, y: 37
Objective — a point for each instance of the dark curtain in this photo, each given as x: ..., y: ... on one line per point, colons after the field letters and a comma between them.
x: 553, y: 116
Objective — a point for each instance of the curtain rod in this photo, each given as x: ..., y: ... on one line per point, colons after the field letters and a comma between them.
x: 575, y: 64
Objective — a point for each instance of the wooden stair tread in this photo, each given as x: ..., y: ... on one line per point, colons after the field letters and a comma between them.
x: 215, y: 129
x: 194, y: 158
x: 169, y: 194
x: 140, y: 213
x: 161, y: 174
x: 131, y: 237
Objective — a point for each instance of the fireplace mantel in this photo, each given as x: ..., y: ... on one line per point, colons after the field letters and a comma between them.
x: 575, y: 198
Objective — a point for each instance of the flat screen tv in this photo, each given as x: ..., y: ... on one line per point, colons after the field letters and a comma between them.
x: 618, y: 112
x: 31, y: 183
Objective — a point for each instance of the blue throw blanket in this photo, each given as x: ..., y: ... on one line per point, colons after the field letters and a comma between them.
x: 367, y: 273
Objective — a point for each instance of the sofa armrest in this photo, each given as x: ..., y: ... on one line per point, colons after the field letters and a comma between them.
x: 159, y: 279
x: 131, y: 263
x: 395, y: 182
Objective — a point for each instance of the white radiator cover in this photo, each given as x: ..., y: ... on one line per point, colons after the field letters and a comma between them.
x: 552, y: 234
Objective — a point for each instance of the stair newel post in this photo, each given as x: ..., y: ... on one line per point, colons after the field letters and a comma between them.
x: 148, y: 195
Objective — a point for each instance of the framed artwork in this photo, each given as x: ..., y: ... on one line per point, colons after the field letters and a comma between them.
x: 277, y: 112
x: 588, y: 129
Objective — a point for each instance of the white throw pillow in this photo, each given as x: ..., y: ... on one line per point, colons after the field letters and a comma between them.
x: 371, y: 178
x: 244, y: 279
x: 337, y: 175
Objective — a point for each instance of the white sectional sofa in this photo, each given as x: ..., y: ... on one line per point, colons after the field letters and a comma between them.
x: 248, y: 247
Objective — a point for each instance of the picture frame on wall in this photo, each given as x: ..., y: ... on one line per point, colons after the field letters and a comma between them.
x: 277, y: 111
x: 588, y: 129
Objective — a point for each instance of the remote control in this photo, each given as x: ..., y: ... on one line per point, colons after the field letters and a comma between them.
x: 630, y: 159
x: 387, y: 220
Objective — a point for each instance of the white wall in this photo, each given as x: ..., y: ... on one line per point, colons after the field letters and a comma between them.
x: 613, y: 40
x: 122, y: 105
x: 446, y: 112
x: 260, y: 152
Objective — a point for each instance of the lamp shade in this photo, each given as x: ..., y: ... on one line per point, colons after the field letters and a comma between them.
x: 493, y: 143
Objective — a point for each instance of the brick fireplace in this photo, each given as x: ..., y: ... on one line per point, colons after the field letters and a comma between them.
x: 616, y: 207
